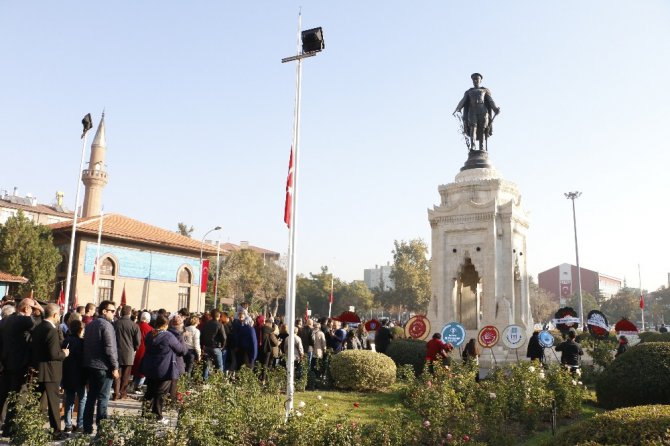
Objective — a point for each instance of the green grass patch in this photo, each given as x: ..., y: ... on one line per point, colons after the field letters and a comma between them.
x: 359, y: 406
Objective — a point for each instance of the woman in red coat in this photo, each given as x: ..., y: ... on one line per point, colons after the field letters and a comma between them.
x: 138, y: 377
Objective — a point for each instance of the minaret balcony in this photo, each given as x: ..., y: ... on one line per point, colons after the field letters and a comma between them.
x: 97, y: 174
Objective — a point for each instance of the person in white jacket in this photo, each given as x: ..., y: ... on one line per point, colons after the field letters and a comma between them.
x: 192, y: 341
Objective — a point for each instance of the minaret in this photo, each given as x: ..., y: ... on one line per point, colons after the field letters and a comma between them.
x: 95, y: 177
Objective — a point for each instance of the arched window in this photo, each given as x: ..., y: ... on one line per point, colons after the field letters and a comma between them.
x: 106, y: 280
x: 107, y: 267
x: 184, y: 278
x: 184, y: 275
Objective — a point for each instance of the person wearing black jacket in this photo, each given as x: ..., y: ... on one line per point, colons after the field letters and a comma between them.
x: 127, y: 342
x: 15, y: 334
x: 383, y: 337
x: 74, y: 379
x: 213, y: 339
x: 570, y: 351
x: 535, y: 350
x: 47, y: 359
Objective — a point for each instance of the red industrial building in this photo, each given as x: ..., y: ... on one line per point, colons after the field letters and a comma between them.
x: 561, y: 282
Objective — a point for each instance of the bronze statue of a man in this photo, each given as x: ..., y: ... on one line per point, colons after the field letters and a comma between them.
x: 479, y: 110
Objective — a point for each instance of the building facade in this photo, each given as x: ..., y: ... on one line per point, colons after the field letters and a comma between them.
x: 43, y: 214
x: 156, y: 267
x: 561, y: 282
x: 379, y: 277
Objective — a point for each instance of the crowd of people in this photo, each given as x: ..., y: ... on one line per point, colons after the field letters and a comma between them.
x: 92, y: 355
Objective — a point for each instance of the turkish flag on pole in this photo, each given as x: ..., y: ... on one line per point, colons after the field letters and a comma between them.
x: 288, y: 203
x: 642, y: 301
x: 61, y: 299
x: 123, y: 296
x: 95, y: 267
x: 204, y: 276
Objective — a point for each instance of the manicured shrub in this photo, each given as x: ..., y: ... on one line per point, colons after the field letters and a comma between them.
x: 398, y: 332
x: 642, y: 425
x: 639, y: 376
x: 362, y: 370
x: 408, y: 352
x: 652, y: 336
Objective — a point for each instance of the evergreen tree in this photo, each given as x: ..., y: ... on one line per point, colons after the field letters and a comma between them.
x: 27, y: 249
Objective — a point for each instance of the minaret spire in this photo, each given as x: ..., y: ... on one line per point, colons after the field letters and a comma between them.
x: 95, y: 177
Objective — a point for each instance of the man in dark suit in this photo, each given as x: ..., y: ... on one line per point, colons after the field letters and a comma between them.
x: 127, y: 342
x: 47, y: 359
x: 15, y: 333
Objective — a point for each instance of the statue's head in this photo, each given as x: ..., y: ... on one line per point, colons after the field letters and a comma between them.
x: 476, y: 79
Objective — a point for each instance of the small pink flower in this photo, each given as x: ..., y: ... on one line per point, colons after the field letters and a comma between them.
x: 430, y: 384
x: 449, y: 437
x: 466, y: 438
x: 426, y: 424
x: 356, y: 404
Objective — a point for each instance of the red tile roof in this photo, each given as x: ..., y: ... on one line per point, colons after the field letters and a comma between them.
x: 125, y: 228
x: 6, y: 277
x: 38, y: 208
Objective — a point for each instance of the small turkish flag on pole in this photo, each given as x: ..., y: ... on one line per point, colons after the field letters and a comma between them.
x: 61, y: 299
x: 642, y: 301
x: 205, y: 276
x: 288, y: 203
x: 95, y: 269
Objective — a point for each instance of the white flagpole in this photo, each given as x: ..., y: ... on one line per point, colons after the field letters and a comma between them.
x: 330, y: 298
x: 68, y: 280
x: 290, y: 298
x: 216, y: 281
x: 639, y: 277
x: 97, y: 259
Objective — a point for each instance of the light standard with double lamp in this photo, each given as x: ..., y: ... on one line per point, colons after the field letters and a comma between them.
x: 572, y: 196
x: 310, y: 43
x: 202, y: 244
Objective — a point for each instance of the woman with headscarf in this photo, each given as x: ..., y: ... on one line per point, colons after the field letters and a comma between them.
x: 177, y: 330
x: 246, y: 341
x: 145, y: 328
x: 159, y: 364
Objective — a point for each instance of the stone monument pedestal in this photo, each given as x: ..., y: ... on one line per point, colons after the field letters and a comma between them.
x: 478, y: 269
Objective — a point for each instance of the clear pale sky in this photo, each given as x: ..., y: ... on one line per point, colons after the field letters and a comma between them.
x: 199, y: 117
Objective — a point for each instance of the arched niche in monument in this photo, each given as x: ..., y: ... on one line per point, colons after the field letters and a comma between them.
x: 468, y: 287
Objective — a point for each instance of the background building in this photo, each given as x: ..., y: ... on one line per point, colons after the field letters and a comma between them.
x: 379, y: 277
x: 561, y: 282
x: 43, y: 214
x: 8, y: 283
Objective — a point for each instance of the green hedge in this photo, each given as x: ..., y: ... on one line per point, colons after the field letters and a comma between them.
x: 652, y: 336
x: 639, y: 376
x: 362, y: 370
x: 408, y: 352
x: 640, y: 425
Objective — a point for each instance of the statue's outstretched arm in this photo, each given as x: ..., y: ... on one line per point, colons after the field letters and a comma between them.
x: 461, y: 104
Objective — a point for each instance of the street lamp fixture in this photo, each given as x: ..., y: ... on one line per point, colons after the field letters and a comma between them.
x: 202, y: 245
x: 572, y: 196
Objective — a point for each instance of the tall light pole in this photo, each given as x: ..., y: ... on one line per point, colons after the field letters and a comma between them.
x: 310, y: 43
x: 572, y: 196
x: 202, y: 244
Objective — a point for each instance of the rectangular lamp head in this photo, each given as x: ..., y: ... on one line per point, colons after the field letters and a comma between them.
x: 312, y: 40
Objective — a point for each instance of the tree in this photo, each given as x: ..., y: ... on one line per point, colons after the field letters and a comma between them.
x: 27, y: 250
x: 184, y: 229
x: 274, y: 285
x: 542, y: 305
x: 625, y: 303
x: 589, y: 302
x: 411, y: 275
x: 241, y: 275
